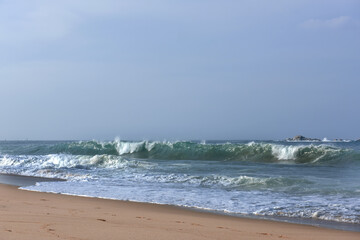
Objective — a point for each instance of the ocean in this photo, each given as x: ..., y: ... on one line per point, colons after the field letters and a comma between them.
x: 314, y: 183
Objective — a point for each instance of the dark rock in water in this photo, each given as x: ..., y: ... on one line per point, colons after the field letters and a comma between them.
x: 302, y: 138
x: 299, y: 138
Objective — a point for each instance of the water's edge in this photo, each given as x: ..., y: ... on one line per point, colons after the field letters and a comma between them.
x: 22, y: 182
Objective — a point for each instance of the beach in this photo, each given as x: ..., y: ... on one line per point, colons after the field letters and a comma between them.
x: 35, y: 215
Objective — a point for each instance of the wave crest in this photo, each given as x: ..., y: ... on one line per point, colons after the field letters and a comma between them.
x: 251, y: 152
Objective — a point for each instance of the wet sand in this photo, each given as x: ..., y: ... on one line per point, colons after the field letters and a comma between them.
x: 34, y: 215
x: 22, y: 181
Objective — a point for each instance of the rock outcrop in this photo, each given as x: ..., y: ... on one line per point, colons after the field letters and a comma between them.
x: 302, y: 138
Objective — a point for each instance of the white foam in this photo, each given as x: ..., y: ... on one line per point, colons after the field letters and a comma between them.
x: 285, y: 152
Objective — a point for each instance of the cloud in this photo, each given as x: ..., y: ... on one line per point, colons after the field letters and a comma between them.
x: 332, y: 23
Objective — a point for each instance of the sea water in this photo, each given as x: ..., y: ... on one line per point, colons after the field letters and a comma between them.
x: 311, y: 182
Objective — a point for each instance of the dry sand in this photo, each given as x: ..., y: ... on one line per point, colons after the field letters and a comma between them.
x: 32, y: 215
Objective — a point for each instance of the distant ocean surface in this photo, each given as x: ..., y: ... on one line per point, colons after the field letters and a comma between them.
x: 315, y: 181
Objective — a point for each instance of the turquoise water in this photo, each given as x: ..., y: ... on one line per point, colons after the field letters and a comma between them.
x: 314, y: 181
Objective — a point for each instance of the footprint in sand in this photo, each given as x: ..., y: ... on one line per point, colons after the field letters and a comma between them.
x: 196, y: 224
x: 144, y: 218
x: 269, y: 234
x: 266, y: 234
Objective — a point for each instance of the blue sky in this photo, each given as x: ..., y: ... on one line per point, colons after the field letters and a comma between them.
x: 179, y: 69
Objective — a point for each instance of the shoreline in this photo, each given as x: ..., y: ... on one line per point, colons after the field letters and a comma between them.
x: 351, y: 227
x: 36, y: 215
x: 23, y: 181
x: 66, y: 215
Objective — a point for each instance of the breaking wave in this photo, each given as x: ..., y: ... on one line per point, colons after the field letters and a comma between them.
x: 107, y: 154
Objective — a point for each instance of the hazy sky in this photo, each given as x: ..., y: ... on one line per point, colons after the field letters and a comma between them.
x: 175, y: 69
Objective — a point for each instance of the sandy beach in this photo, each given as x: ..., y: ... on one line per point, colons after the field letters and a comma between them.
x: 33, y: 215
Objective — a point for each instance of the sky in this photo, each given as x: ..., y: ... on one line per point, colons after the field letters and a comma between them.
x: 179, y: 70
